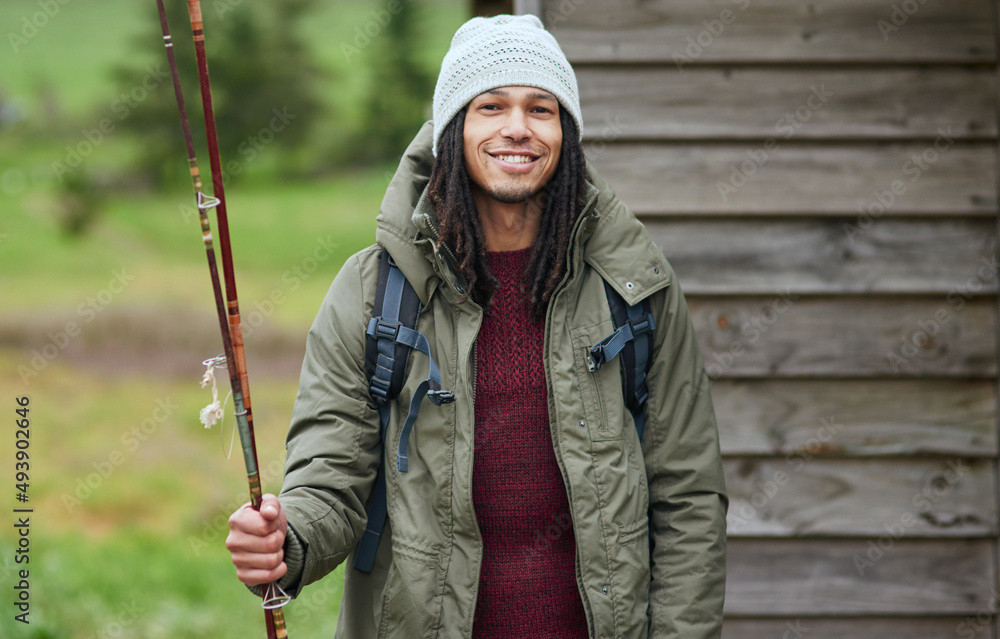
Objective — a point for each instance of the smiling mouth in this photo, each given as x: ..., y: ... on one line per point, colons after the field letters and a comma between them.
x: 514, y: 159
x: 522, y: 155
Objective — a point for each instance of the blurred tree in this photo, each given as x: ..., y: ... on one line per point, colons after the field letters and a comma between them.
x: 263, y: 88
x: 80, y: 199
x: 400, y: 87
x: 492, y: 7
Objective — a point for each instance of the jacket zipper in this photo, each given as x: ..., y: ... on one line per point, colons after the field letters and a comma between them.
x: 452, y: 261
x: 475, y: 365
x: 475, y: 520
x: 562, y: 467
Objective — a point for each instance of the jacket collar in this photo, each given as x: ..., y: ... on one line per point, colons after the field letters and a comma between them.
x: 619, y: 247
x: 406, y: 225
x: 607, y: 235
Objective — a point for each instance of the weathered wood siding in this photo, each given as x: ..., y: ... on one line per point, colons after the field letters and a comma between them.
x: 823, y: 176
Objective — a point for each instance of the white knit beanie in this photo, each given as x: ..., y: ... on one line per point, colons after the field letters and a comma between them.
x: 502, y: 51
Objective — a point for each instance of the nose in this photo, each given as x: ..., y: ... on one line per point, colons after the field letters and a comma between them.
x: 515, y: 127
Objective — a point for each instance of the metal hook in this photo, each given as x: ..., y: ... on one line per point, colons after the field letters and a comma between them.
x: 206, y: 202
x: 219, y: 361
x: 274, y: 597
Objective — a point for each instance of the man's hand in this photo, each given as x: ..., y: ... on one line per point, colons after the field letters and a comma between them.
x: 256, y: 541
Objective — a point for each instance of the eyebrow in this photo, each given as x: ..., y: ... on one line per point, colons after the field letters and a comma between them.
x: 539, y: 95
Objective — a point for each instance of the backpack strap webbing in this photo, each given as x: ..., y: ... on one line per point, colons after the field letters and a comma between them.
x: 634, y: 326
x: 392, y: 335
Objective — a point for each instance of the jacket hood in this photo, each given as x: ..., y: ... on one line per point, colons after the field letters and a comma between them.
x: 607, y: 235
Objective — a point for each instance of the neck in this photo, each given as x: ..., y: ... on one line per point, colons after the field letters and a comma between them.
x: 508, y: 227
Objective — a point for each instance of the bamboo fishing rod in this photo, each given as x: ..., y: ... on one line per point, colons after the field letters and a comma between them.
x: 228, y: 312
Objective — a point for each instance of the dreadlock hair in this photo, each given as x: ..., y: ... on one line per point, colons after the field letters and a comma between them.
x: 460, y: 230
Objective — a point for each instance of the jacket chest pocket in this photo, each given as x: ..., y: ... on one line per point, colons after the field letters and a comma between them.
x: 601, y: 390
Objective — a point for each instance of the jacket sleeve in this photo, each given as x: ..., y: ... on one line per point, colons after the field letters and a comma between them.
x: 687, y: 490
x: 333, y: 442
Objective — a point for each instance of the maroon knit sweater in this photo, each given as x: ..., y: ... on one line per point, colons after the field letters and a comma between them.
x: 527, y: 586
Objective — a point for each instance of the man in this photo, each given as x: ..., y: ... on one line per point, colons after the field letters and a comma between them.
x: 530, y: 507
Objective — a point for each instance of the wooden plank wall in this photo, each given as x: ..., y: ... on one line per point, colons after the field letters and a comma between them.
x: 823, y: 176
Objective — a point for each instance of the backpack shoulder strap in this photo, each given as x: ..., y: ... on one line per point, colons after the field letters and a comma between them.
x: 634, y: 326
x: 396, y: 304
x: 392, y: 335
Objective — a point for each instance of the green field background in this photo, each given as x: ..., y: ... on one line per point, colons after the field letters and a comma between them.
x: 105, y: 334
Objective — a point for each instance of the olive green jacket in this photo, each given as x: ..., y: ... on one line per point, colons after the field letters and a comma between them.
x: 622, y: 493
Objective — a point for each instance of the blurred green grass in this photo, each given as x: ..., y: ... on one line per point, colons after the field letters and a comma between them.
x: 141, y: 529
x: 157, y: 239
x: 181, y: 596
x: 148, y: 537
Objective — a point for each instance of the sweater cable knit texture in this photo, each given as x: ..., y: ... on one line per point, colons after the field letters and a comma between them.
x: 527, y: 585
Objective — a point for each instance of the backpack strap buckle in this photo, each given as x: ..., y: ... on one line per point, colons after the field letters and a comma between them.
x: 609, y: 347
x: 386, y: 334
x: 440, y: 397
x: 381, y: 329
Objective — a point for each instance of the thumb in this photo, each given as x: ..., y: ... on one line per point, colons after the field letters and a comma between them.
x: 270, y: 507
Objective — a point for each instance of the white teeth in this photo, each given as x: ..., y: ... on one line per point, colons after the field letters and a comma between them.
x: 515, y: 159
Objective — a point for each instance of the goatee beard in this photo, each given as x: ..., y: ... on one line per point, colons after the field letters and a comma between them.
x: 510, y: 193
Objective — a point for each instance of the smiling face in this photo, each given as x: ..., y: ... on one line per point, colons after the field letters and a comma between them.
x: 512, y: 142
